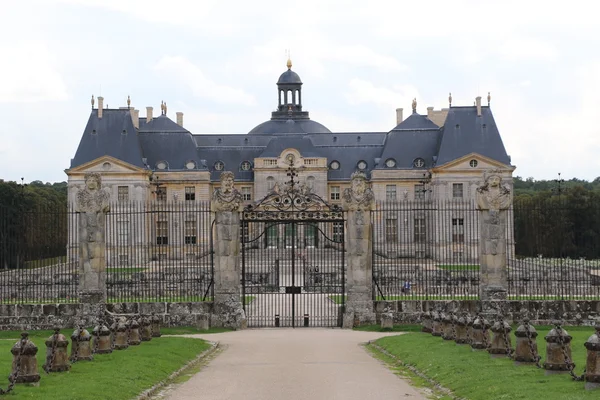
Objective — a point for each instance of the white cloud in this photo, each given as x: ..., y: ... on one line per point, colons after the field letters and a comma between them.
x: 30, y: 73
x: 523, y: 48
x: 188, y: 74
x: 362, y: 91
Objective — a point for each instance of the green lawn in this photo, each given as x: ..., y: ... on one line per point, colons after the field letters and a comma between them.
x: 459, y: 267
x: 120, y: 375
x: 474, y: 375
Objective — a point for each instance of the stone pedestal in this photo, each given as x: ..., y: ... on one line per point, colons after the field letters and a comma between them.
x: 387, y: 320
x: 592, y: 366
x: 228, y: 311
x: 92, y: 204
x: 358, y: 202
x: 493, y: 201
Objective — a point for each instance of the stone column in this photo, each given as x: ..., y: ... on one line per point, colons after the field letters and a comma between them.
x: 493, y: 201
x: 92, y: 204
x: 358, y: 201
x: 226, y: 204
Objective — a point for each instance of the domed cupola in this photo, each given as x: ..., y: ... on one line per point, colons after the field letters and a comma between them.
x: 289, y: 117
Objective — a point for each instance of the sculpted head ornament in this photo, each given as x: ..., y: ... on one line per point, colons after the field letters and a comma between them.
x: 93, y: 181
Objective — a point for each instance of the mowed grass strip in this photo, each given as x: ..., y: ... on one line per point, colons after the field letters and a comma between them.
x: 475, y: 375
x: 121, y: 375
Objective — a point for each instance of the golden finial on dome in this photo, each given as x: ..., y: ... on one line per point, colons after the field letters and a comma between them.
x: 489, y: 98
x: 128, y: 102
x: 289, y: 61
x: 450, y: 98
x: 92, y: 102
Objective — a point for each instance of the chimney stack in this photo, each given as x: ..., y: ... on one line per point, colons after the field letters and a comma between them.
x: 429, y: 112
x: 478, y: 105
x: 399, y: 118
x: 148, y: 114
x: 100, y: 106
x: 135, y: 118
x: 179, y: 118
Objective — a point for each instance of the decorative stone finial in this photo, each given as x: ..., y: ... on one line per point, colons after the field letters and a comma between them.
x: 93, y: 102
x: 128, y: 101
x: 414, y: 105
x: 162, y: 107
x: 450, y: 99
x: 489, y: 98
x: 165, y: 108
x: 227, y: 197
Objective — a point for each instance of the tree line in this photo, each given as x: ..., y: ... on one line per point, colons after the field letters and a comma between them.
x: 33, y: 222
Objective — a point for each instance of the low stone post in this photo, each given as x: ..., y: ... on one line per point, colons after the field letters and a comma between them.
x: 436, y: 326
x: 469, y: 328
x: 102, y: 339
x: 501, y: 344
x: 558, y: 350
x: 448, y: 321
x: 146, y: 329
x: 461, y: 331
x: 92, y: 205
x: 57, y: 358
x: 480, y: 339
x: 80, y: 345
x: 493, y: 201
x: 387, y: 319
x: 155, y: 326
x: 24, y: 365
x: 134, y: 332
x: 226, y: 204
x: 526, y: 349
x: 426, y: 320
x: 592, y: 366
x: 358, y: 201
x: 121, y: 339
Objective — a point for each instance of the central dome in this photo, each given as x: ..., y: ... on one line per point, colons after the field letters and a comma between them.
x: 289, y: 77
x: 289, y: 126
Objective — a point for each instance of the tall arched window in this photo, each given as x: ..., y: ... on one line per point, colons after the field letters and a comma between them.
x: 310, y: 182
x: 270, y: 183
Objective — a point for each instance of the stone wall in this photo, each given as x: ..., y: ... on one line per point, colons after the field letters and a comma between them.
x: 573, y: 312
x: 46, y: 316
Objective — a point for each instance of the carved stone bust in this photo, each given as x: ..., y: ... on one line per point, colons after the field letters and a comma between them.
x: 493, y: 195
x: 227, y: 197
x: 359, y: 196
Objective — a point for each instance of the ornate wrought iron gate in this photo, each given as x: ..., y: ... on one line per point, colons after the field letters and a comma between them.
x: 293, y: 261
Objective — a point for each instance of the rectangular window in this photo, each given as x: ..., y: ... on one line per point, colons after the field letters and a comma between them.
x: 161, y: 194
x: 419, y: 192
x: 123, y: 233
x: 272, y: 235
x: 420, y: 233
x: 458, y: 230
x: 246, y: 193
x: 338, y: 232
x: 190, y: 193
x: 391, y: 230
x: 334, y: 192
x: 123, y: 194
x: 245, y: 232
x: 190, y: 256
x: 123, y: 259
x: 390, y: 192
x: 190, y: 232
x: 457, y: 255
x: 162, y: 232
x: 457, y: 190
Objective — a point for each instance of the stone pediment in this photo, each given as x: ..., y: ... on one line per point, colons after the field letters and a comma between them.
x: 464, y: 164
x: 106, y: 165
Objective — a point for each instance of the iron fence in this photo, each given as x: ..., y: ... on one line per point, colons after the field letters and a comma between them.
x: 37, y: 265
x: 556, y: 254
x: 425, y: 250
x: 154, y: 252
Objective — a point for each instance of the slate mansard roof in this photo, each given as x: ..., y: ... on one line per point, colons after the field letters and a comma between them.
x: 162, y: 140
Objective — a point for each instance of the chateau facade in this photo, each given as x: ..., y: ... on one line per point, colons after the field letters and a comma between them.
x: 432, y: 158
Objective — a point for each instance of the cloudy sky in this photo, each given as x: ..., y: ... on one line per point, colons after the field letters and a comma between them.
x: 218, y: 61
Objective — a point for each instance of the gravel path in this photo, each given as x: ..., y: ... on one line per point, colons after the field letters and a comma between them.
x: 290, y: 364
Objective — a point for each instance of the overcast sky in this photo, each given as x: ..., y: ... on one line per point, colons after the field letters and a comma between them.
x: 217, y: 61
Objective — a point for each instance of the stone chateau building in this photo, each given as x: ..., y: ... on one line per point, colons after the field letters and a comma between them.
x: 432, y: 158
